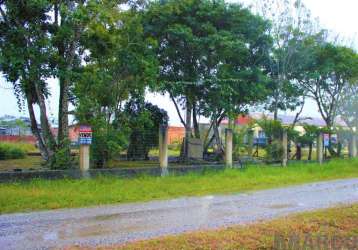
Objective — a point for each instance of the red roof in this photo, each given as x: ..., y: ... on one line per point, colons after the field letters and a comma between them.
x: 240, y: 120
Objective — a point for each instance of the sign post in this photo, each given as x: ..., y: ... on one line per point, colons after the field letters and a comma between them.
x: 85, y: 140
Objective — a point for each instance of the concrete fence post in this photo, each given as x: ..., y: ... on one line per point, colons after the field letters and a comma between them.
x: 320, y: 148
x: 163, y: 149
x: 84, y: 158
x: 353, y: 146
x: 250, y: 141
x: 228, y: 147
x: 284, y: 148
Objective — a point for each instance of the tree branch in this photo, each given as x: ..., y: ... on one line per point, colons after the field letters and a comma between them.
x: 177, y: 109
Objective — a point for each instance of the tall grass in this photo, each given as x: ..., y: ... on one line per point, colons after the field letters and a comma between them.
x: 47, y: 194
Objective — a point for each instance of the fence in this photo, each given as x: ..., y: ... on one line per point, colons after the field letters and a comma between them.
x: 235, y: 148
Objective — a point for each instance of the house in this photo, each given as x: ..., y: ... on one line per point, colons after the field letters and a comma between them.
x: 176, y: 134
x: 287, y: 120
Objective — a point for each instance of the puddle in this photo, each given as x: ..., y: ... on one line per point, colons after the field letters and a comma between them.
x: 107, y: 217
x: 281, y: 206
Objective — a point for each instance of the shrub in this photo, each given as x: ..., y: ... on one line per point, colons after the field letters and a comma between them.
x: 17, y: 153
x: 4, y: 152
x: 274, y: 151
x: 9, y: 151
x: 175, y: 145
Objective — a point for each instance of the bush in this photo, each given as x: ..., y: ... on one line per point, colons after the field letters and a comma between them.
x: 17, y: 153
x: 274, y: 151
x: 9, y: 151
x: 175, y: 145
x: 4, y: 153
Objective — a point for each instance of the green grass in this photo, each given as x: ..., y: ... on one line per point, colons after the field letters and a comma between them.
x: 52, y: 194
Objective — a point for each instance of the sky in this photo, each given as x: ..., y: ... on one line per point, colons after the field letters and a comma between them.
x: 338, y: 16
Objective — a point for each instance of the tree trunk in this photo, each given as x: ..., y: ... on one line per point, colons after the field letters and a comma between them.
x: 298, y: 152
x: 63, y: 112
x: 310, y: 151
x: 35, y: 129
x: 195, y: 123
x: 275, y: 114
x: 187, y: 130
x: 45, y: 126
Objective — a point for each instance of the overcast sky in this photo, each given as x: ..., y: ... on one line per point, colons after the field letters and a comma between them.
x: 339, y: 16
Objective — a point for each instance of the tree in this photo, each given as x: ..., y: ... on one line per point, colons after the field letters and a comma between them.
x: 333, y: 68
x: 292, y: 25
x: 202, y: 45
x: 119, y: 67
x: 47, y: 39
x: 26, y: 55
x: 273, y: 130
x: 143, y: 120
x: 308, y: 138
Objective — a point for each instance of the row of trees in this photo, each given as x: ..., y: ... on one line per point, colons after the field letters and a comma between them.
x: 214, y: 59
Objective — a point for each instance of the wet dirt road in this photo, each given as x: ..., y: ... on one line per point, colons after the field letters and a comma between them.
x: 105, y: 225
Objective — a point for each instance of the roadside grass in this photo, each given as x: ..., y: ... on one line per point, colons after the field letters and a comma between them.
x: 68, y: 193
x: 338, y: 225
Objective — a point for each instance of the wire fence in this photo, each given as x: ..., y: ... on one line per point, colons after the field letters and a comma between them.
x: 141, y: 149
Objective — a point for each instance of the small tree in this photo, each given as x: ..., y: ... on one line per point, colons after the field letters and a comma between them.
x: 291, y: 25
x: 308, y: 138
x: 143, y: 120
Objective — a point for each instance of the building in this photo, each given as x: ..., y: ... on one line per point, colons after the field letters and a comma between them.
x: 287, y: 120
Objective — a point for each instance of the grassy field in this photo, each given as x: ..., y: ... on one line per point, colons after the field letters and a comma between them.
x: 47, y: 194
x: 29, y: 162
x: 338, y: 225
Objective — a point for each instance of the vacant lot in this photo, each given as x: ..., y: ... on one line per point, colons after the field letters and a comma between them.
x: 46, y: 194
x: 335, y: 228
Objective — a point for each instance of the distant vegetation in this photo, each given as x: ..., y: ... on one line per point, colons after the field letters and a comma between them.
x: 11, y: 151
x: 15, y: 150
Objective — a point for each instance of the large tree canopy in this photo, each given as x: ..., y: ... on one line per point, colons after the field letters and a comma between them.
x: 209, y: 55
